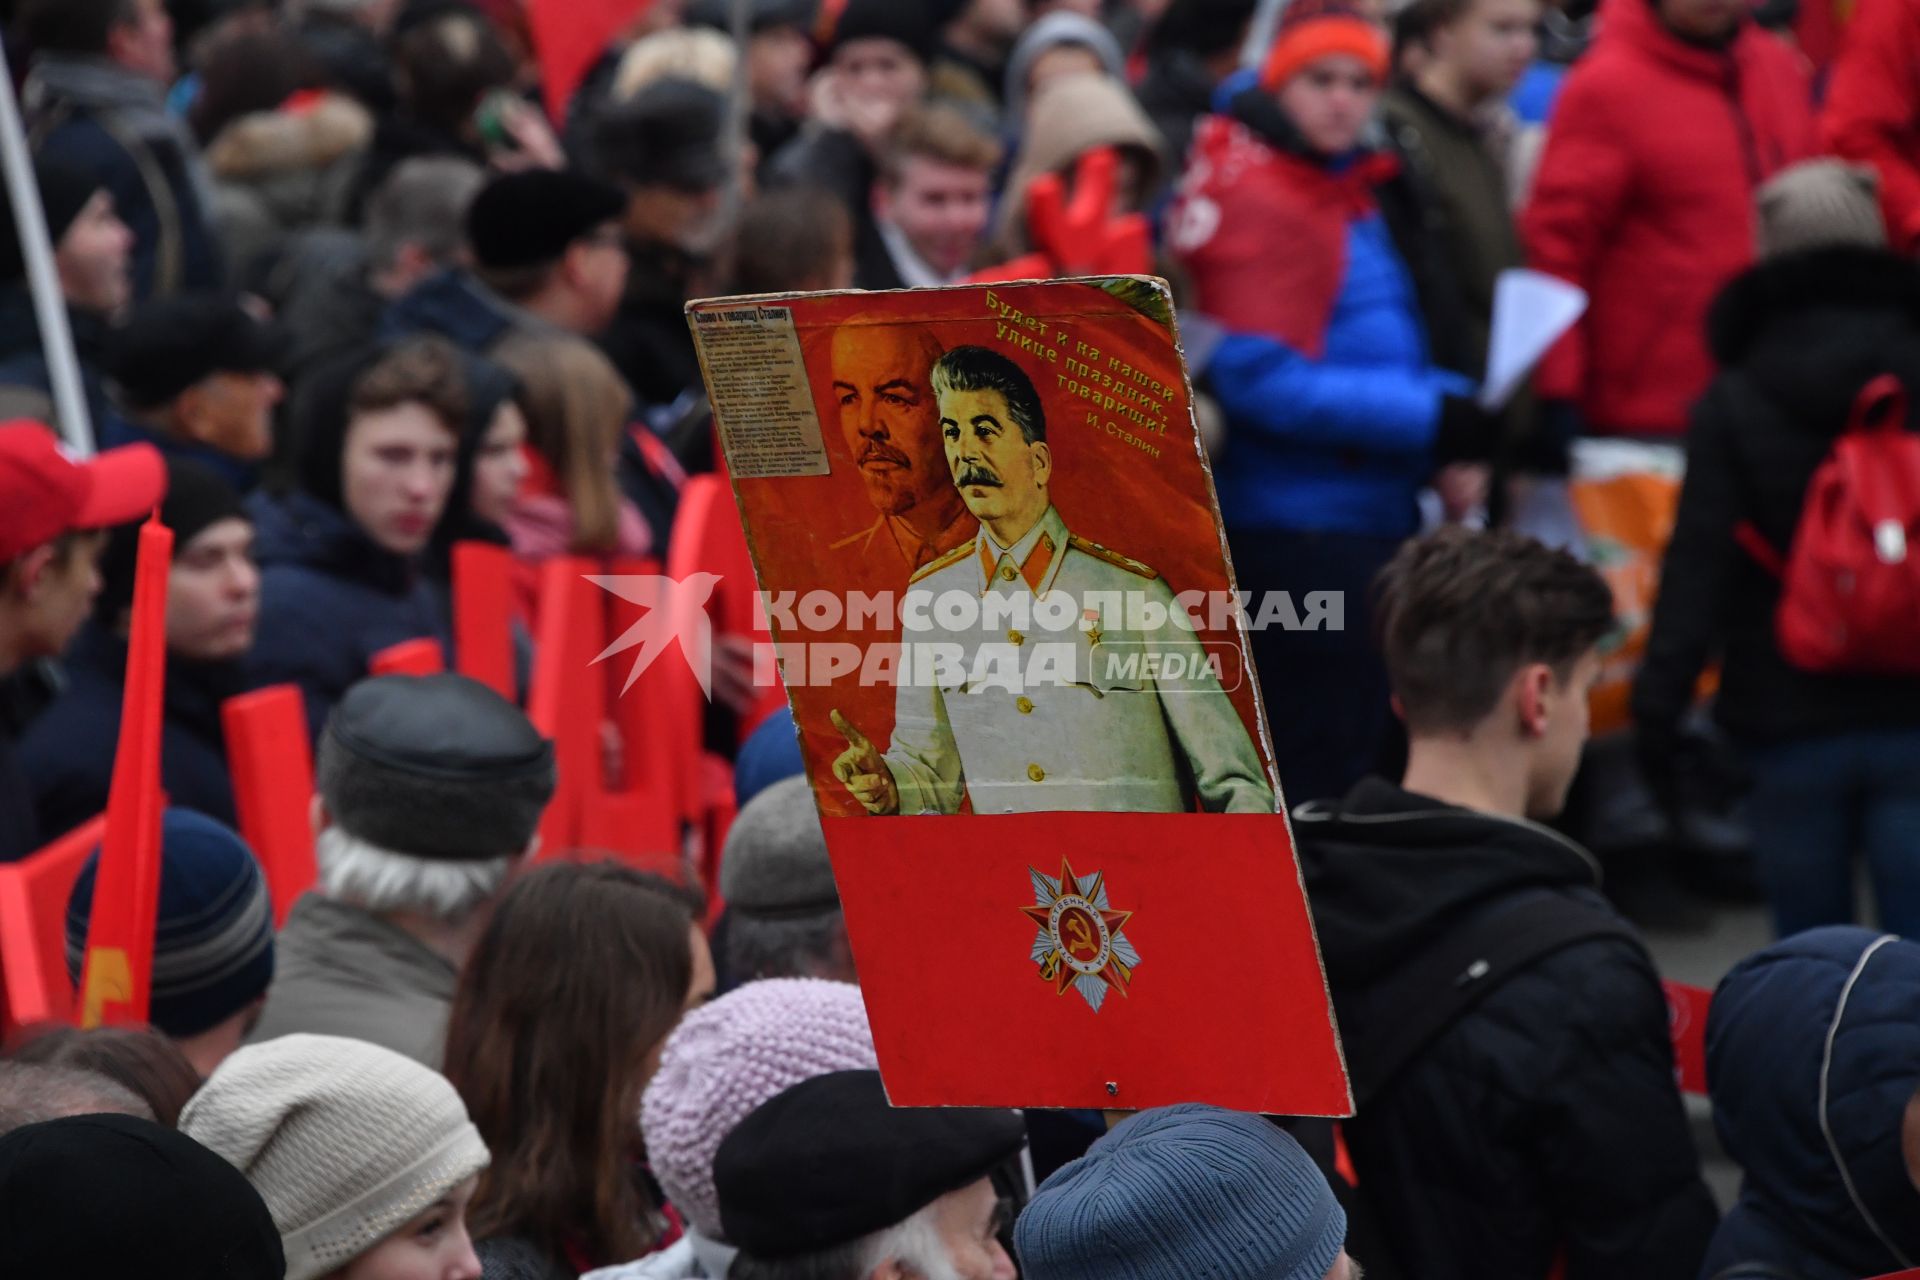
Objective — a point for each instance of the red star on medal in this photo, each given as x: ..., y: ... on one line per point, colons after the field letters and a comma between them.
x: 1080, y: 944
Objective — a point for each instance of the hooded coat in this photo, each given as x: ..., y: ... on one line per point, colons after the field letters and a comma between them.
x: 1813, y: 1055
x: 1544, y: 1121
x: 1797, y: 337
x: 1644, y: 198
x: 330, y: 597
x: 1072, y: 116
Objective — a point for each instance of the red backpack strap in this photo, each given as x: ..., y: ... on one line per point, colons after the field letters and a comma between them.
x: 1764, y: 553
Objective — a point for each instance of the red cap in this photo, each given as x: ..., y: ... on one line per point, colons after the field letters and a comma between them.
x: 45, y: 493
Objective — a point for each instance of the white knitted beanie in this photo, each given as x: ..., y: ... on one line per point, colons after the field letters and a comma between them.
x: 345, y: 1141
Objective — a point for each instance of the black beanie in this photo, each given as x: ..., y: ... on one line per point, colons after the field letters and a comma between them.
x: 197, y: 496
x: 65, y: 189
x: 910, y: 22
x: 529, y: 218
x: 100, y: 1197
x: 320, y: 420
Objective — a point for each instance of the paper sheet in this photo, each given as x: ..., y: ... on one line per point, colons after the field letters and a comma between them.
x: 1530, y: 312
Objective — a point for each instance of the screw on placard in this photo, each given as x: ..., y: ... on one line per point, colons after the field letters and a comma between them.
x: 1113, y: 1088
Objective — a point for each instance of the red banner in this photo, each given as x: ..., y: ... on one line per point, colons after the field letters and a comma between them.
x: 986, y: 539
x: 118, y: 974
x: 1687, y: 1023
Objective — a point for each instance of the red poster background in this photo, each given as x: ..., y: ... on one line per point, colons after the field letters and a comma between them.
x: 1229, y: 1003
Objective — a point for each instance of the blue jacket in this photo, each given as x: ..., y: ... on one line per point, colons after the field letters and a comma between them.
x: 23, y: 361
x: 67, y: 751
x: 1818, y: 1035
x: 1342, y: 443
x: 330, y: 599
x: 457, y: 307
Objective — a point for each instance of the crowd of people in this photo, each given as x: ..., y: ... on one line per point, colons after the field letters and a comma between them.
x: 343, y: 294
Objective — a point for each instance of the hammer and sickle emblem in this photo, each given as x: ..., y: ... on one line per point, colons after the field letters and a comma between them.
x: 1080, y: 938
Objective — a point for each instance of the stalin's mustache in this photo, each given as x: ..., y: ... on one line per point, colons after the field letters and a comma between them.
x: 973, y: 474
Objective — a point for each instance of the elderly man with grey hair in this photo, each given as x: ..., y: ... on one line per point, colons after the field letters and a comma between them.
x: 430, y: 792
x: 783, y: 910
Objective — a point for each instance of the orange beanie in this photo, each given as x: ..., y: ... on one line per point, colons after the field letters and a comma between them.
x: 1314, y: 29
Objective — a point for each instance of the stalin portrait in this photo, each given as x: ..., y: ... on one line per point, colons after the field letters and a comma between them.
x: 1082, y: 723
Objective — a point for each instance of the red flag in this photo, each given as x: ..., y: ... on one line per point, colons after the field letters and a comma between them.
x: 570, y: 35
x: 272, y: 769
x: 118, y: 974
x: 483, y: 589
x: 420, y: 657
x: 1687, y: 1023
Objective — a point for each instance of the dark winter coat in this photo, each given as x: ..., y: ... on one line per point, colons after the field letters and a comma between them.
x: 25, y: 388
x: 1813, y: 1054
x: 1796, y: 339
x: 330, y: 599
x: 1545, y: 1120
x: 67, y: 752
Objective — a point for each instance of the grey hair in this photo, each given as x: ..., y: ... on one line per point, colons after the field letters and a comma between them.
x: 31, y: 1092
x: 424, y: 202
x: 914, y: 1244
x: 380, y: 880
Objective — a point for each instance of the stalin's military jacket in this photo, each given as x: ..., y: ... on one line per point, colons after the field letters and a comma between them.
x: 1085, y: 706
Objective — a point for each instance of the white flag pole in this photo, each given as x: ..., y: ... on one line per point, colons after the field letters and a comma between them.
x: 36, y: 250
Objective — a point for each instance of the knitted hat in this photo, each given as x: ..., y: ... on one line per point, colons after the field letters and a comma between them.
x: 830, y: 1160
x: 434, y: 766
x: 347, y: 1142
x: 213, y: 942
x: 65, y: 189
x: 1059, y: 29
x: 529, y: 218
x: 197, y: 498
x: 1169, y: 1192
x: 1314, y: 29
x: 726, y: 1059
x: 1820, y: 204
x: 104, y: 1197
x: 774, y: 865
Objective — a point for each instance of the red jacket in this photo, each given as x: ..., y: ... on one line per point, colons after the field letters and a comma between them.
x: 1645, y: 199
x: 1873, y: 108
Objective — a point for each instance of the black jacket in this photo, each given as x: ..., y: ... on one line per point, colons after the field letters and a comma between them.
x: 1545, y: 1119
x: 1796, y: 338
x: 67, y: 751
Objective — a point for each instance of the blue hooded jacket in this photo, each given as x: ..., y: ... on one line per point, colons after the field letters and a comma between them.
x: 1813, y: 1054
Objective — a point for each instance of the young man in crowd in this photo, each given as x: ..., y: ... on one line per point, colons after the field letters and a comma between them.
x: 931, y: 202
x: 91, y: 253
x: 429, y: 792
x: 546, y: 255
x: 197, y: 376
x: 828, y: 1179
x: 213, y: 605
x: 1505, y: 1029
x: 56, y: 512
x: 95, y: 97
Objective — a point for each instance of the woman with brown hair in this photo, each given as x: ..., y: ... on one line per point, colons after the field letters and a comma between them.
x: 577, y: 408
x: 557, y: 1026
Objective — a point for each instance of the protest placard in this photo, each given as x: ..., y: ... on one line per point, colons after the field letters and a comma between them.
x: 989, y: 554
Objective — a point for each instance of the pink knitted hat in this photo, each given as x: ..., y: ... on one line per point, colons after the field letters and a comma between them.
x: 726, y: 1059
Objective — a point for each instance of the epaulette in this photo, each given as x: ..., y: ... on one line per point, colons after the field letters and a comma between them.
x: 941, y: 561
x: 1113, y: 558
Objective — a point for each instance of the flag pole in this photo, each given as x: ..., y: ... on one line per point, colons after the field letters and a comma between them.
x: 36, y: 250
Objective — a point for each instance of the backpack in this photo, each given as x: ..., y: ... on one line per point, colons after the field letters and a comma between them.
x: 1850, y: 582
